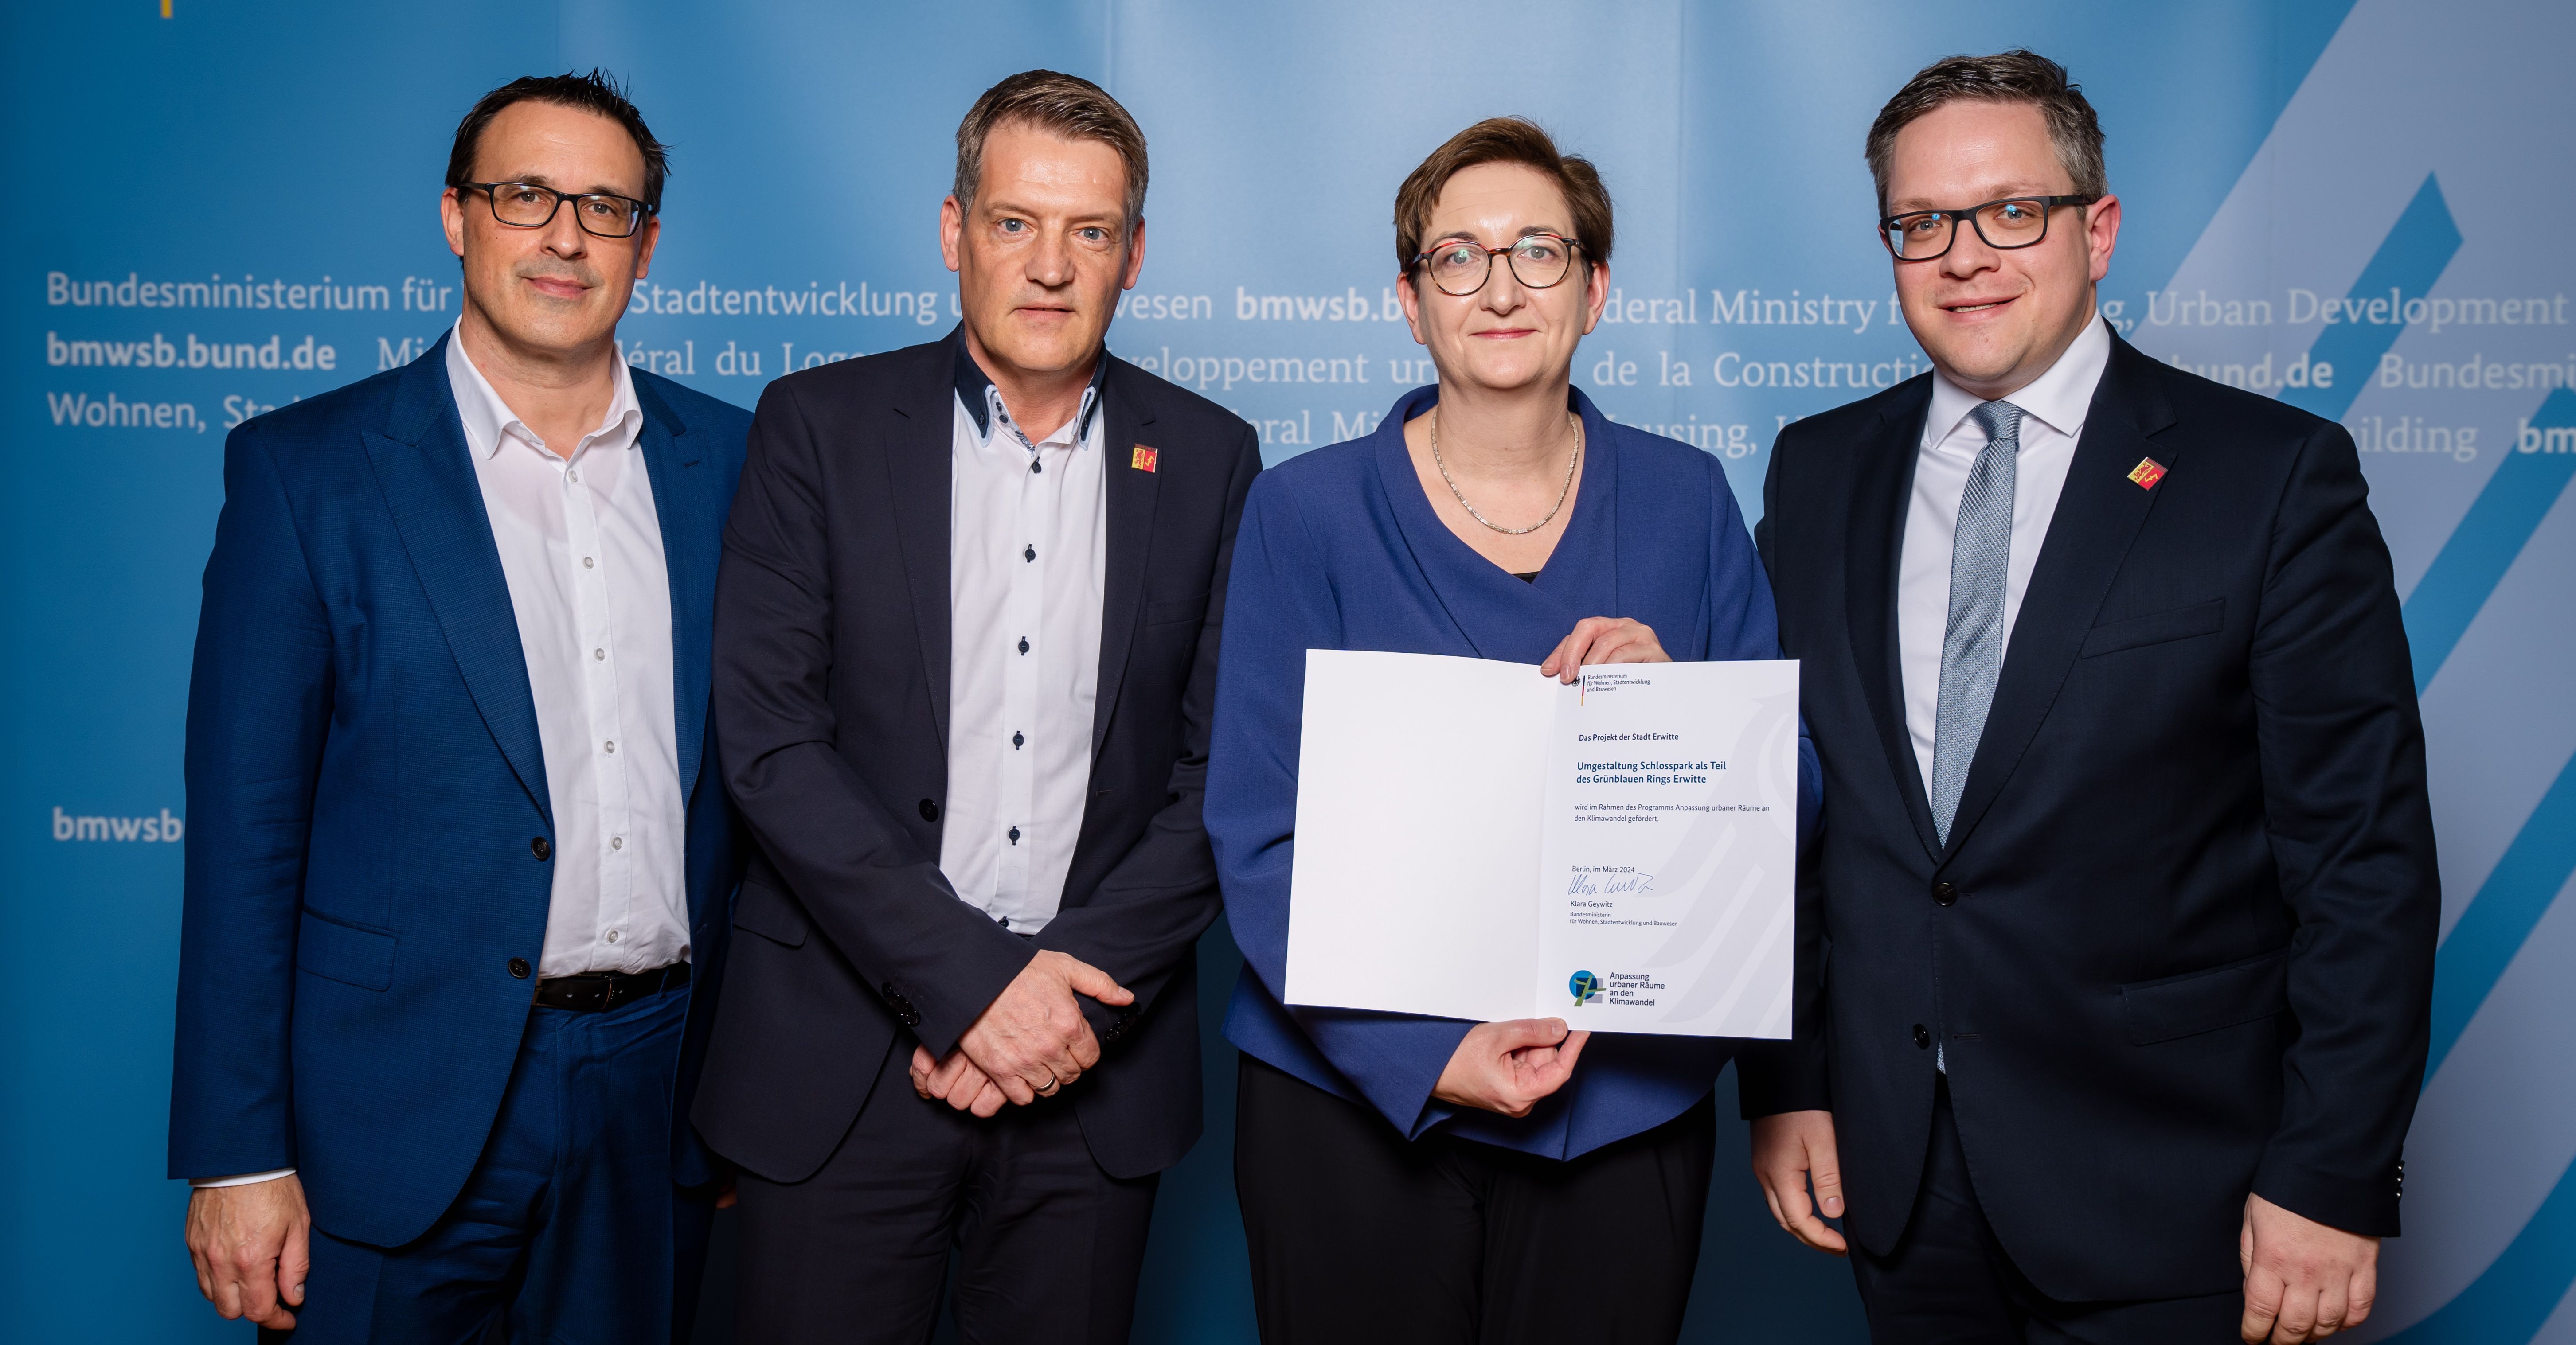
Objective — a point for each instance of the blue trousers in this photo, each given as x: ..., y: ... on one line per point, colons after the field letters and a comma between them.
x: 567, y: 1232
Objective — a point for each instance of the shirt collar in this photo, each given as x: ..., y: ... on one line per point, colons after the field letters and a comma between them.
x: 983, y: 401
x: 2058, y: 398
x: 489, y: 420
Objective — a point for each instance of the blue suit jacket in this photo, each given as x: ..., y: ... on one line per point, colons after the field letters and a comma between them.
x: 1340, y: 550
x: 367, y: 797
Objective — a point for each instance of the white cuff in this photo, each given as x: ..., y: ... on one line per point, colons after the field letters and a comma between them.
x: 247, y: 1178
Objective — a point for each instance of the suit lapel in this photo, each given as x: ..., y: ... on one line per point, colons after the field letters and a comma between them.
x: 1883, y: 484
x: 422, y: 465
x: 919, y: 450
x: 691, y: 535
x: 2098, y: 516
x: 1131, y: 495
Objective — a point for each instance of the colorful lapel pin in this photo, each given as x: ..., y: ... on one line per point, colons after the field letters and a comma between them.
x: 2147, y: 473
x: 1143, y: 459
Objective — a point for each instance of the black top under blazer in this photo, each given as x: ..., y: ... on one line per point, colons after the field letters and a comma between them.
x: 831, y: 690
x: 2180, y: 944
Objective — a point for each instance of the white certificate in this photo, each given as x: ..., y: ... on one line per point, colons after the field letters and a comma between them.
x: 1477, y: 841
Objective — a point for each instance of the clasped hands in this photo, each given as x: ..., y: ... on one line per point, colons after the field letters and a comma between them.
x: 1030, y: 1042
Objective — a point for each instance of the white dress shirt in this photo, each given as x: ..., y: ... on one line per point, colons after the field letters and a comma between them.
x: 1028, y: 543
x: 581, y: 549
x: 2053, y: 407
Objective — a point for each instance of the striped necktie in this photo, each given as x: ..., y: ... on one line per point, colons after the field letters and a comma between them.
x: 1972, y: 643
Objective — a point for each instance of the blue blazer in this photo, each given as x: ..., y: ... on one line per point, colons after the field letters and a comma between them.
x: 1339, y: 550
x: 368, y: 808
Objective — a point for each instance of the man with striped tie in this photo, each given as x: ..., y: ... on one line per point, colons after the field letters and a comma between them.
x: 2127, y: 870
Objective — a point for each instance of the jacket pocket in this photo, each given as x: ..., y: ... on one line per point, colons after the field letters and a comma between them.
x: 1181, y: 609
x: 2205, y: 1001
x: 345, y: 953
x: 771, y: 914
x: 2174, y: 623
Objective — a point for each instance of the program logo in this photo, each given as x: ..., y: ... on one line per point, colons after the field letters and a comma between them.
x: 1585, y: 986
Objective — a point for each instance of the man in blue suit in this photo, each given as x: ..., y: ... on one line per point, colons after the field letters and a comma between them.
x: 460, y: 834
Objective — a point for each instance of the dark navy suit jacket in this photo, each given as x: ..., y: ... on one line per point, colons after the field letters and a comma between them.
x: 368, y: 808
x: 832, y: 663
x: 1340, y: 550
x: 2180, y: 943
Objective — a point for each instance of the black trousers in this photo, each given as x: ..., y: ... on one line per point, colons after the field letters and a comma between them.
x: 1357, y: 1233
x: 1047, y: 1245
x: 1949, y: 1280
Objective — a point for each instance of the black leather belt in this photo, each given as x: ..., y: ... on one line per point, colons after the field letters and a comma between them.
x: 600, y: 992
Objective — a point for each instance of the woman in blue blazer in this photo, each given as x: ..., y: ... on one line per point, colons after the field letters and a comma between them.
x: 1426, y: 1179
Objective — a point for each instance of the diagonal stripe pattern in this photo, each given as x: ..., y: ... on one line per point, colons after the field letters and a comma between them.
x: 2499, y: 919
x: 1972, y: 642
x: 2507, y: 511
x: 2418, y: 247
x: 2513, y: 1298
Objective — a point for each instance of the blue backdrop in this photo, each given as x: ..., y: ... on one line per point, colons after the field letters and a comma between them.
x: 216, y: 209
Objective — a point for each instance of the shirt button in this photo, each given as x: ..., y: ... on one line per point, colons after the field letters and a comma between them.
x: 589, y: 563
x: 539, y: 848
x: 600, y: 654
x: 609, y: 747
x: 616, y: 842
x: 1015, y: 835
x: 1034, y: 468
x: 1024, y: 644
x: 573, y: 473
x: 1029, y: 552
x: 612, y: 936
x: 519, y: 967
x: 1922, y: 1037
x: 1017, y: 740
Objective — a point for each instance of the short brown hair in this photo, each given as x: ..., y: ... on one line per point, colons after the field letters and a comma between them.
x: 1503, y: 140
x: 1066, y: 105
x: 2016, y: 76
x: 596, y: 92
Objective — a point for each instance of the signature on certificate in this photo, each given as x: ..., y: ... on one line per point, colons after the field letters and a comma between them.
x: 1602, y: 883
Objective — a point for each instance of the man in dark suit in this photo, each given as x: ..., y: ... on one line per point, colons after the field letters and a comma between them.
x: 459, y: 838
x: 2127, y: 872
x: 966, y: 647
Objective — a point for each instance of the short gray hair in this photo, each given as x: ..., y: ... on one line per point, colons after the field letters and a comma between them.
x: 1066, y: 105
x: 2016, y: 76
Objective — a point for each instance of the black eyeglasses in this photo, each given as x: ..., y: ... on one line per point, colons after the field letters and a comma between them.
x: 525, y: 205
x: 2014, y: 222
x: 1460, y: 266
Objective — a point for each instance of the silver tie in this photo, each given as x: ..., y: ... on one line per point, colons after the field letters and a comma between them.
x: 1972, y: 644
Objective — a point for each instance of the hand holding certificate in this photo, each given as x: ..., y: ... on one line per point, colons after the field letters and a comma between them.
x: 1477, y: 841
